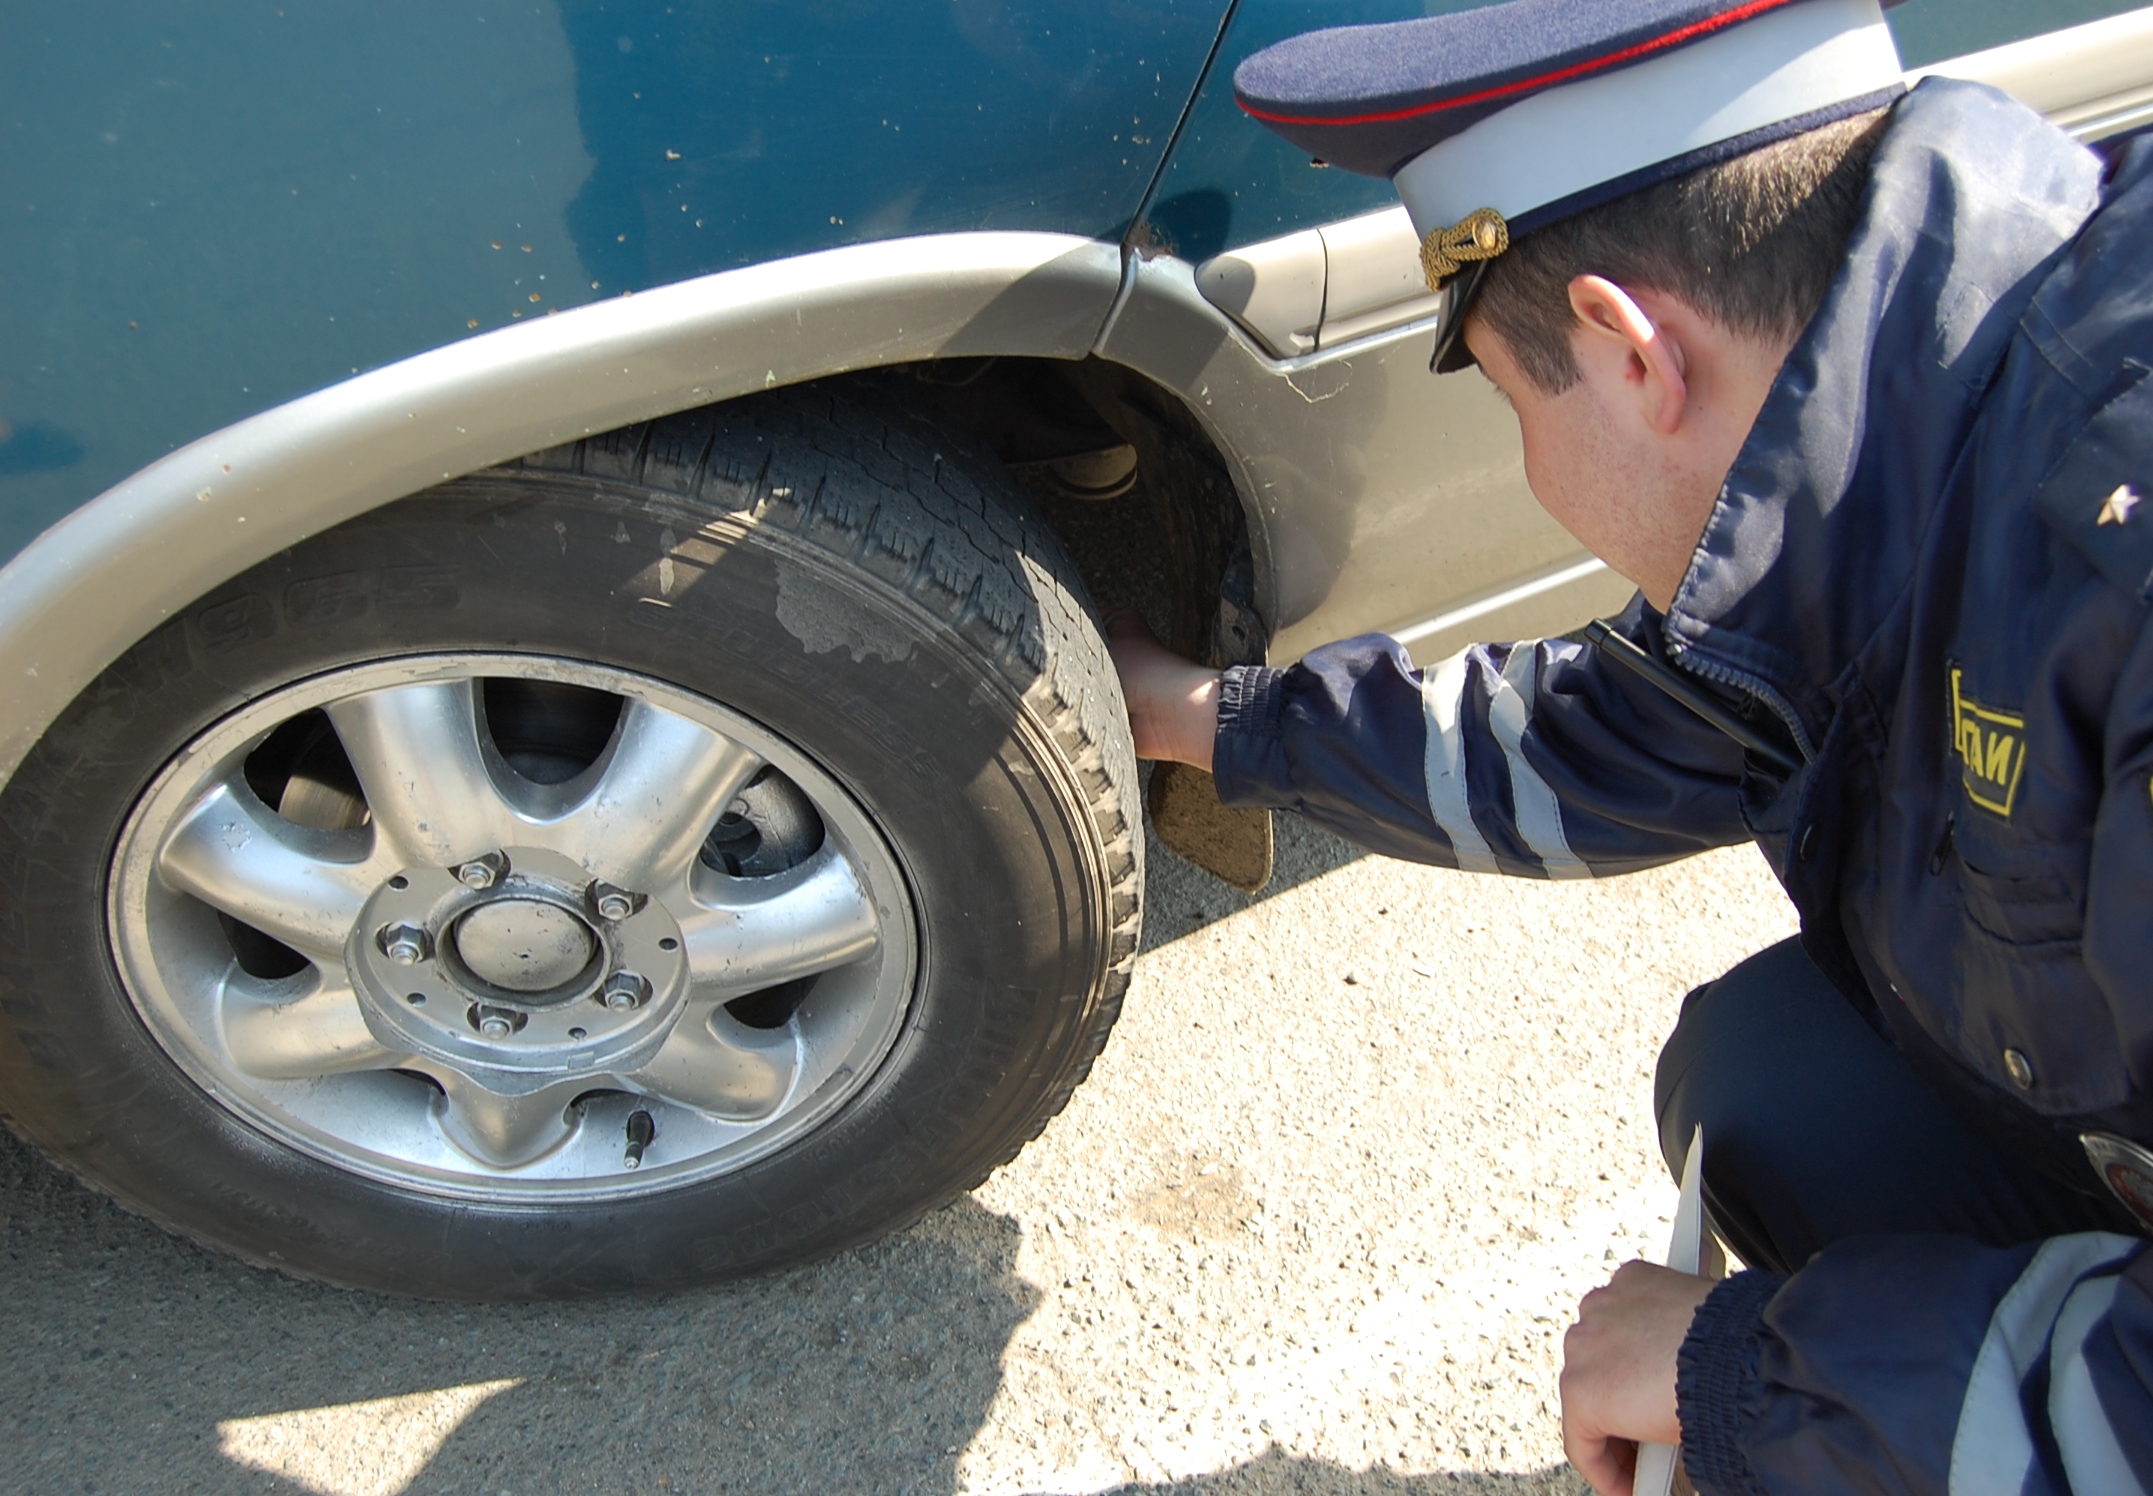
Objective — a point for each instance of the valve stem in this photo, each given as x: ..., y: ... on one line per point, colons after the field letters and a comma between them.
x: 642, y: 1131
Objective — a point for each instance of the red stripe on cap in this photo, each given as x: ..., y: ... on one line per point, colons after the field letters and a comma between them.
x: 1525, y: 85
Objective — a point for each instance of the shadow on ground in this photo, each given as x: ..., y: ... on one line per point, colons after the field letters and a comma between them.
x: 1181, y: 898
x: 137, y: 1363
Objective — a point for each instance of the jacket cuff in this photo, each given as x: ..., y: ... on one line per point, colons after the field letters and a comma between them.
x: 1248, y: 754
x: 1711, y: 1371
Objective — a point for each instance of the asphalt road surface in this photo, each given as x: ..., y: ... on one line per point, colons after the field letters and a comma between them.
x: 1316, y: 1225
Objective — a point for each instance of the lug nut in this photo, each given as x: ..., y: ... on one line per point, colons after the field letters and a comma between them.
x: 610, y: 902
x: 494, y: 1023
x: 625, y: 990
x: 404, y: 944
x: 482, y: 872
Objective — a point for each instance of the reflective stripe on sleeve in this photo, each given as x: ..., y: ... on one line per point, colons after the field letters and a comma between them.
x: 1442, y: 696
x: 1992, y: 1450
x: 2091, y: 1456
x: 1539, y: 813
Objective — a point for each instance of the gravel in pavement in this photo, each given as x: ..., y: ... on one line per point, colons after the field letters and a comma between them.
x: 1316, y: 1224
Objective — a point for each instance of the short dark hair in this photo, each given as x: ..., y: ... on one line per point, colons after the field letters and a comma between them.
x: 1751, y: 243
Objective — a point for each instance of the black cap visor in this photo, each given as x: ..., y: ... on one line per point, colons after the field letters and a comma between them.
x: 1451, y: 353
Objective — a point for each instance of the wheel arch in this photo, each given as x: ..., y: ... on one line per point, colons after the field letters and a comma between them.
x: 112, y: 571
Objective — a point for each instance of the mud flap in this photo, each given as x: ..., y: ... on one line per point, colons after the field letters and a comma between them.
x: 1232, y: 845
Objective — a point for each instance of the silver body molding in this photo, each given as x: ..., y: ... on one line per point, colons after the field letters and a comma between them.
x: 149, y: 546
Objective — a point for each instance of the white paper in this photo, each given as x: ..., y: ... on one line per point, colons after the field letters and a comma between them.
x: 1685, y: 1251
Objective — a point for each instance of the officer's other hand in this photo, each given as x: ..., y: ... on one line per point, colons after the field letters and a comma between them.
x: 1618, y: 1373
x: 1173, y: 703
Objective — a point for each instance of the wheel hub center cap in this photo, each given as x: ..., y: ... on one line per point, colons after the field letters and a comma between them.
x: 526, y: 977
x: 524, y: 945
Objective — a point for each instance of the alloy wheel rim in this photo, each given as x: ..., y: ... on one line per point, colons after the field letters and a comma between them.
x: 434, y: 970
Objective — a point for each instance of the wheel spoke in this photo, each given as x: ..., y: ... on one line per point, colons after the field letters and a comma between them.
x: 503, y: 1131
x: 661, y: 788
x: 320, y: 1033
x: 416, y: 751
x: 746, y: 938
x: 718, y: 1065
x: 231, y: 852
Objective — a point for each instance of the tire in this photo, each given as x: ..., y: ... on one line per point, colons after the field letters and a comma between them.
x: 855, y: 604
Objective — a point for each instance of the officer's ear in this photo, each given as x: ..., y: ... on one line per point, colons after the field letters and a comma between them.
x: 1620, y: 347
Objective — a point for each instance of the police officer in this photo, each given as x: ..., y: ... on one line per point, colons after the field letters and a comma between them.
x: 1850, y: 381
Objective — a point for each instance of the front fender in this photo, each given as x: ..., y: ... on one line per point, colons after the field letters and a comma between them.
x: 153, y: 543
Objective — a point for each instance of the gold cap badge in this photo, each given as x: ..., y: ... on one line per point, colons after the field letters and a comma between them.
x: 2116, y: 508
x: 1479, y: 235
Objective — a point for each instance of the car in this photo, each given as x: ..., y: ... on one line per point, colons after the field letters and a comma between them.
x: 556, y: 735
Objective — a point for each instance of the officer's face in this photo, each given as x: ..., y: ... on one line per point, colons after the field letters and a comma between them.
x: 1630, y: 458
x: 1585, y: 473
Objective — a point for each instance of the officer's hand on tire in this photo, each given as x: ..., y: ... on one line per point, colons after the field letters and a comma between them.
x: 1618, y: 1374
x: 1173, y: 703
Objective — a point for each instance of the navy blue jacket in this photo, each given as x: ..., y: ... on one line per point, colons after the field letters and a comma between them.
x: 1926, y: 573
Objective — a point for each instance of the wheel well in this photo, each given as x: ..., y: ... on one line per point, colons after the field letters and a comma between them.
x: 1125, y: 475
x: 1130, y: 482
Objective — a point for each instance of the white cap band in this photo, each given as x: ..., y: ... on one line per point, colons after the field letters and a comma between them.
x: 1564, y: 140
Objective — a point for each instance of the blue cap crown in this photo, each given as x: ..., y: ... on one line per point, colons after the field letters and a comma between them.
x: 1493, y: 122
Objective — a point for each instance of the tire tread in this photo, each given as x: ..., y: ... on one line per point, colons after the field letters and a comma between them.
x: 971, y: 550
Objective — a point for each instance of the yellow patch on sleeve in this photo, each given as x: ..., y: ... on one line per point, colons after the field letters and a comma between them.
x: 1991, y: 746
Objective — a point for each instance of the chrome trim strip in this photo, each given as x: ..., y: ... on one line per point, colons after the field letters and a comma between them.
x: 1500, y: 600
x: 2107, y: 121
x: 151, y: 545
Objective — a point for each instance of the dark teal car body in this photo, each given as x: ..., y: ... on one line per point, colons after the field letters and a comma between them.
x: 210, y: 208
